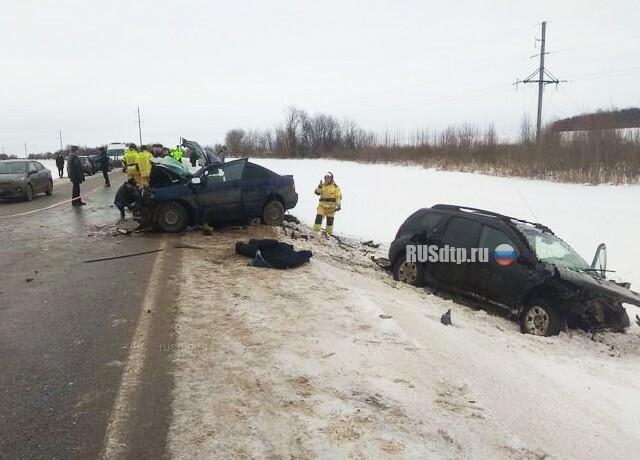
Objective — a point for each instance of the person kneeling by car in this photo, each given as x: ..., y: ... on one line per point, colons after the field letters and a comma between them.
x: 127, y: 196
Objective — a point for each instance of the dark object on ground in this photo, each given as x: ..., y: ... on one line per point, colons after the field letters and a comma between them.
x: 207, y: 230
x: 537, y: 277
x: 371, y: 244
x: 386, y: 316
x: 24, y: 179
x: 273, y: 254
x: 123, y: 256
x: 381, y: 262
x: 446, y: 318
x: 291, y: 219
x: 28, y: 280
x: 217, y: 193
x: 638, y: 320
x: 186, y: 246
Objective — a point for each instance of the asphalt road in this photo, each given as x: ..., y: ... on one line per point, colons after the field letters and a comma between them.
x: 66, y: 328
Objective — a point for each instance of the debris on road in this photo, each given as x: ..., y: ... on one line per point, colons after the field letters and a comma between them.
x: 446, y: 318
x: 123, y: 256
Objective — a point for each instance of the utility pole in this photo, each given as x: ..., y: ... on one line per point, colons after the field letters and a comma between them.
x: 139, y: 127
x: 544, y: 77
x: 61, y: 149
x: 25, y: 150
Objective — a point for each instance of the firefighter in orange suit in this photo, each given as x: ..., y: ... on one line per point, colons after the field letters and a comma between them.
x: 330, y: 201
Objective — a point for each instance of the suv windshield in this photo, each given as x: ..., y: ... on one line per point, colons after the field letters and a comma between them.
x: 551, y: 249
x: 15, y: 167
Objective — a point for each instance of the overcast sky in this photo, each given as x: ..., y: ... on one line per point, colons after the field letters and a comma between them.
x: 199, y: 68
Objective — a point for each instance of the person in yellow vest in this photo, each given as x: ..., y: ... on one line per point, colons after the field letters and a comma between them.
x: 144, y: 167
x: 330, y: 202
x: 130, y: 159
x: 177, y: 154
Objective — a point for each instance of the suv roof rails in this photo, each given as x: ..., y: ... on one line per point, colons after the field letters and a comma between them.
x: 451, y: 207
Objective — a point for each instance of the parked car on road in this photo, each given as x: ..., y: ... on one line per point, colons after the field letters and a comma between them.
x: 115, y: 151
x: 216, y: 193
x: 24, y: 179
x: 96, y: 164
x: 545, y: 282
x: 87, y: 166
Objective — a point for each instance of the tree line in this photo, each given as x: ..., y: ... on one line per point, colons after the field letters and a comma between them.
x: 593, y: 156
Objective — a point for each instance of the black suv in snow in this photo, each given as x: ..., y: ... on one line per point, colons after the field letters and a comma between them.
x: 543, y: 281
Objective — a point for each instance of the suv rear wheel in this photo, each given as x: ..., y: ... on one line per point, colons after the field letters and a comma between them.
x: 172, y: 217
x: 540, y: 318
x: 408, y: 272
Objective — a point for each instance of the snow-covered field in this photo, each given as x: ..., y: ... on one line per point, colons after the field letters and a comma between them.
x: 378, y: 198
x: 336, y: 360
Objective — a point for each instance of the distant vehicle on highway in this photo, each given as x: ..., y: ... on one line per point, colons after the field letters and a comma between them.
x: 96, y: 163
x: 87, y: 166
x: 24, y: 179
x: 115, y: 151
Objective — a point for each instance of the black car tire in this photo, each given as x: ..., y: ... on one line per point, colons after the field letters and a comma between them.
x: 273, y: 213
x: 540, y: 318
x: 29, y: 193
x: 49, y: 190
x: 408, y: 272
x: 172, y: 217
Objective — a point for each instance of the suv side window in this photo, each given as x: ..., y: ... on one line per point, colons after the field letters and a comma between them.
x: 32, y: 167
x: 462, y: 232
x: 430, y: 221
x: 39, y: 167
x: 492, y: 238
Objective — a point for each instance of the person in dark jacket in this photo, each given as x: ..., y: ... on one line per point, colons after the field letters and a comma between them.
x: 193, y: 158
x: 104, y: 164
x: 60, y: 164
x: 126, y: 197
x: 76, y: 175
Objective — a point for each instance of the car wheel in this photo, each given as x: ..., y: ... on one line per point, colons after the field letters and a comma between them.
x: 172, y: 217
x: 540, y: 318
x: 49, y: 190
x: 273, y: 213
x: 408, y: 272
x: 29, y: 195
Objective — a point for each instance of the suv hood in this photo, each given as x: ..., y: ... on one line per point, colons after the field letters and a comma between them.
x: 606, y: 287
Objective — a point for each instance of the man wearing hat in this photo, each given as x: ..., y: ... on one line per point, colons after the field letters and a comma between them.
x: 330, y: 201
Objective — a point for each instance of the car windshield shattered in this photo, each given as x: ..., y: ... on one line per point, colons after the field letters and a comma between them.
x: 173, y: 165
x: 13, y: 168
x: 551, y: 249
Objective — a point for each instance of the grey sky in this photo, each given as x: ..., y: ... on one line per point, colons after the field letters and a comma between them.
x: 200, y: 68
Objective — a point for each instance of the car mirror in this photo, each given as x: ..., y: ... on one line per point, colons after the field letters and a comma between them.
x: 196, y: 180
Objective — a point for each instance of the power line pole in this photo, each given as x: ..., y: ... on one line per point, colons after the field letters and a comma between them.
x: 61, y: 149
x: 544, y: 77
x: 139, y: 127
x: 25, y: 150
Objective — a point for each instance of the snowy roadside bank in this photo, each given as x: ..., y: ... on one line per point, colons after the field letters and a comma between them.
x: 300, y: 363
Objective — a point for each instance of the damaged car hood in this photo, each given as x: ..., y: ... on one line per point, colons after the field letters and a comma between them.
x: 608, y: 288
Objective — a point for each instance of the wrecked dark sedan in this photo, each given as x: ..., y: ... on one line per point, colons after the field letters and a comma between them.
x: 217, y: 192
x: 541, y: 279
